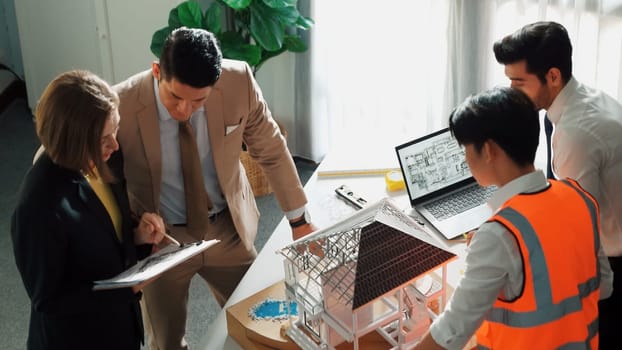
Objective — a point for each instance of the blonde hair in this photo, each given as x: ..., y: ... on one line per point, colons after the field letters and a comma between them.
x: 70, y: 119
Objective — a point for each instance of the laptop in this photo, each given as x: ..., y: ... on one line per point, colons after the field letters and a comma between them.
x: 440, y: 186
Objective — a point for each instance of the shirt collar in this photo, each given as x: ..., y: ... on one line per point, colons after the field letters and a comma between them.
x: 554, y: 112
x: 528, y: 183
x: 163, y: 113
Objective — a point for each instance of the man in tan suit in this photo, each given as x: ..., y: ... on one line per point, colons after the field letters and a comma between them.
x: 224, y: 105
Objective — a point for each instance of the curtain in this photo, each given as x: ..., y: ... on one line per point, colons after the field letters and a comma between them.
x: 380, y: 74
x: 372, y: 84
x: 595, y: 30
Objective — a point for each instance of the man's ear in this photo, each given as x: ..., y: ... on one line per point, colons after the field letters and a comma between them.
x: 554, y: 77
x: 155, y: 70
x: 490, y: 150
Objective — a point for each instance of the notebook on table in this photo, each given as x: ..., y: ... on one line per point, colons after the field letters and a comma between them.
x: 440, y: 186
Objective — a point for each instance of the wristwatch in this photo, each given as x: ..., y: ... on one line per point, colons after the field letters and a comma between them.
x: 303, y: 220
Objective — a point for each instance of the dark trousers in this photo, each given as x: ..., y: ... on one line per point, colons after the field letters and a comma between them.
x: 610, y: 311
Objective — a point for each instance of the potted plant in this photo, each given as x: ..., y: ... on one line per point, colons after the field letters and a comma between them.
x: 248, y: 30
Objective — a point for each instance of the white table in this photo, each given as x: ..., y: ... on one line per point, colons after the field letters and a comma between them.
x: 325, y: 208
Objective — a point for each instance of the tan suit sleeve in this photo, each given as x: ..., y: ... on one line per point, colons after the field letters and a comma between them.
x: 262, y: 135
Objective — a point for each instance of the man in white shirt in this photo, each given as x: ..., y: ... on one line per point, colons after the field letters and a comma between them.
x: 586, y: 142
x: 514, y: 260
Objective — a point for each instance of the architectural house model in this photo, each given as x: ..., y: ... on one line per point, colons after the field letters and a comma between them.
x: 375, y: 271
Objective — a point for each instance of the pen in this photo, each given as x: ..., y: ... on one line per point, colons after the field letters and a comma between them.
x: 170, y: 238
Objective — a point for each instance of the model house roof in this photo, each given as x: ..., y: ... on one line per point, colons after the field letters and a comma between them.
x: 367, y: 255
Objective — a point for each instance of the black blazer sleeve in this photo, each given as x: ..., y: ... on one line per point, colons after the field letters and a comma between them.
x: 62, y: 242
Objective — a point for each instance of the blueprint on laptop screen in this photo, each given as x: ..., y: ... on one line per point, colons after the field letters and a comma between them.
x: 432, y: 164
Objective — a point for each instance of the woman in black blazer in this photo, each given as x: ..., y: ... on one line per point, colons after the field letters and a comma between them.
x: 72, y: 223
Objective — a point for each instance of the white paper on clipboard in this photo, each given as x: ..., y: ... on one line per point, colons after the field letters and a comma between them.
x: 153, y: 265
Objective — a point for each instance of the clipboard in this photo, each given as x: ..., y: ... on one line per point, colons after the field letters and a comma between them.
x: 155, y: 264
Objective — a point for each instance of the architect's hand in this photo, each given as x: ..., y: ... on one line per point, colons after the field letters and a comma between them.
x: 468, y: 237
x: 150, y: 229
x: 303, y: 230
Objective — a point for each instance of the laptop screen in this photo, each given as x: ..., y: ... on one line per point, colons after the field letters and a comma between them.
x: 432, y: 164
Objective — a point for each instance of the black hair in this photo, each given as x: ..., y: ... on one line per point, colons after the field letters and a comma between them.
x: 504, y: 115
x: 192, y: 57
x: 543, y: 45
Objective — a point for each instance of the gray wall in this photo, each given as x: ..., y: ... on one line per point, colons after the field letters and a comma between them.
x: 111, y: 38
x: 10, y: 52
x: 115, y: 49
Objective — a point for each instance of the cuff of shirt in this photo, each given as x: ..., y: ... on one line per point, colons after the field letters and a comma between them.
x: 444, y: 337
x: 296, y: 213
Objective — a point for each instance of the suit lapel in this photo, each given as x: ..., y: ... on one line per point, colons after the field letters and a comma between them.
x: 91, y: 201
x: 120, y: 195
x: 150, y: 134
x: 215, y: 126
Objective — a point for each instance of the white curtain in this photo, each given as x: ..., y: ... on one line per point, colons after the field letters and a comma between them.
x: 376, y: 70
x: 595, y: 29
x: 382, y: 73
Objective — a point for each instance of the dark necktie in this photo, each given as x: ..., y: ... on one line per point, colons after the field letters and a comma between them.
x: 198, y: 203
x: 548, y: 130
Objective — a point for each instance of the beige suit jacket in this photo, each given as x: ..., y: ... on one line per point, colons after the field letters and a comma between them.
x: 236, y: 112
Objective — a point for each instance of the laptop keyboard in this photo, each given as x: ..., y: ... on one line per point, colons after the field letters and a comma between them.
x: 459, y: 201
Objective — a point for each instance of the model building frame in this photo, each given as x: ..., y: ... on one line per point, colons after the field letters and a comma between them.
x: 374, y: 271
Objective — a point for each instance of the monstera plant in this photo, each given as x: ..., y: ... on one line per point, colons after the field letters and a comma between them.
x: 249, y: 30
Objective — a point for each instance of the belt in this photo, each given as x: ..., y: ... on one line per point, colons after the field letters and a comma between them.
x: 212, y: 218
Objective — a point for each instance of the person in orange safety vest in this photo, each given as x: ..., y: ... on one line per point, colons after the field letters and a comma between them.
x: 536, y: 269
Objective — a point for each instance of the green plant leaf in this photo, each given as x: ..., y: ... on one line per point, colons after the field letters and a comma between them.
x: 247, y: 52
x: 258, y: 31
x: 237, y: 4
x: 287, y: 15
x: 265, y: 55
x: 173, y: 18
x: 231, y: 38
x: 211, y: 21
x: 304, y: 23
x: 190, y: 14
x: 235, y: 47
x: 294, y: 44
x: 157, y: 40
x: 265, y: 26
x: 241, y: 22
x: 280, y: 3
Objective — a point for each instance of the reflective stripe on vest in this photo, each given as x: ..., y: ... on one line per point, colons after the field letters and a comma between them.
x: 543, y: 293
x: 592, y: 330
x: 546, y: 308
x: 591, y: 205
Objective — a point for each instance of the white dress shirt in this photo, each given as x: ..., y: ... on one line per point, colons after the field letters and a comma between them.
x: 172, y: 196
x: 587, y: 147
x: 493, y: 269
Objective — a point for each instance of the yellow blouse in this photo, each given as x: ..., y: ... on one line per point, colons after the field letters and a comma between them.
x: 107, y: 198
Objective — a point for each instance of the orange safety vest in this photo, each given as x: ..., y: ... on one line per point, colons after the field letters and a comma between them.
x: 557, y: 231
